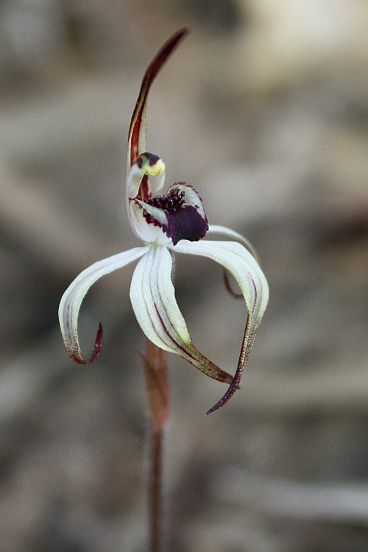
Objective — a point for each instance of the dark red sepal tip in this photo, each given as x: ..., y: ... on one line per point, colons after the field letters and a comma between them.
x: 153, y: 69
x: 247, y: 342
x: 97, y: 349
x: 234, y: 386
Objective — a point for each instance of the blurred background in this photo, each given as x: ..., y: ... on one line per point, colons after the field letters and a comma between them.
x: 264, y: 108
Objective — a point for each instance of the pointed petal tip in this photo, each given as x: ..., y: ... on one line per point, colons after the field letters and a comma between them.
x: 235, y: 383
x: 224, y: 377
x: 175, y: 38
x: 96, y: 353
x: 181, y: 33
x: 137, y: 131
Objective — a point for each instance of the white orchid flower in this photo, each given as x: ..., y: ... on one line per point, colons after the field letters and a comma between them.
x: 171, y: 223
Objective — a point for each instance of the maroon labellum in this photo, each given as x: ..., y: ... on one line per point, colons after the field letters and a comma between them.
x: 183, y: 221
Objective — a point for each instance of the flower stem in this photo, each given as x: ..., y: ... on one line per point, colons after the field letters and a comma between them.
x: 155, y: 364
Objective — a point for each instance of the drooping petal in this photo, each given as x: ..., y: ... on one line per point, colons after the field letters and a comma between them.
x: 253, y: 285
x: 153, y: 300
x: 179, y: 215
x: 137, y: 129
x: 72, y: 299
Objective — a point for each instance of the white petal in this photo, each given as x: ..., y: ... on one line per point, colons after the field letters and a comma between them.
x: 223, y: 231
x: 253, y: 284
x: 153, y: 300
x: 179, y: 214
x: 157, y: 214
x: 240, y: 263
x: 145, y: 231
x: 72, y: 299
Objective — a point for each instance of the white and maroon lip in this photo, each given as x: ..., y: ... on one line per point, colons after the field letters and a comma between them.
x: 178, y: 215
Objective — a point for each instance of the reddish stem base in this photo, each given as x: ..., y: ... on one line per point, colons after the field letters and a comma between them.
x: 155, y: 364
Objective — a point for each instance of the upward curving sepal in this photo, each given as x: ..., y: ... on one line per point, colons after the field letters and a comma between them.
x: 137, y: 129
x: 72, y: 299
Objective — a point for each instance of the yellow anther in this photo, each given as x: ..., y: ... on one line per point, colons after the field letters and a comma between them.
x: 157, y: 169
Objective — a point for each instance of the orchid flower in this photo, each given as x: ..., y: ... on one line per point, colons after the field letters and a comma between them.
x: 174, y: 222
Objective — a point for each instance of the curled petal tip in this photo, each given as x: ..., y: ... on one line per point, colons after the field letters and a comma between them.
x: 214, y: 408
x: 97, y: 349
x: 225, y: 399
x: 235, y: 383
x: 72, y: 299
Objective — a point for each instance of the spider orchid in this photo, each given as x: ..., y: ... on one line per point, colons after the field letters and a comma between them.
x: 171, y: 223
